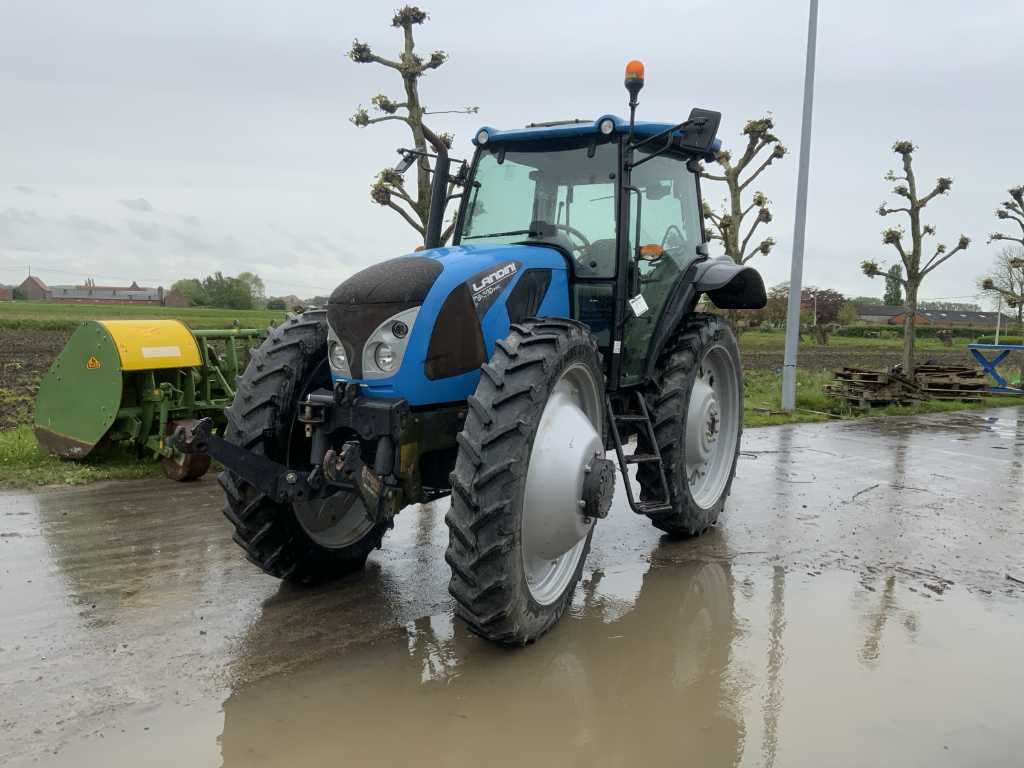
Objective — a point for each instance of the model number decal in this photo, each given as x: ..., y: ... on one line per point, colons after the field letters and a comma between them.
x: 486, y: 286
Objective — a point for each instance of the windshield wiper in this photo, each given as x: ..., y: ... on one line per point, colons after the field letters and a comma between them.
x: 529, y: 232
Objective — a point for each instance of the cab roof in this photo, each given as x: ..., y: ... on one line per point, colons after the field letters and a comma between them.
x: 572, y: 128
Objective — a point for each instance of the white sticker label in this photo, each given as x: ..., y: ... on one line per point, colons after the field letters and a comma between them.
x: 638, y: 304
x: 161, y: 351
x: 617, y: 347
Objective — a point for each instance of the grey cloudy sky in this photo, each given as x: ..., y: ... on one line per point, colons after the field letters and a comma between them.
x: 151, y: 141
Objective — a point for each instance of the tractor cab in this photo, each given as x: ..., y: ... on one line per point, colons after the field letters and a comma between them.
x: 617, y: 200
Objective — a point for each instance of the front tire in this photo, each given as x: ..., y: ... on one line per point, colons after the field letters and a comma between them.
x: 518, y: 537
x: 308, y: 541
x: 696, y: 407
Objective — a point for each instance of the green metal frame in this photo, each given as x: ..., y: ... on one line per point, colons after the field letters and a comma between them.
x: 87, y: 398
x: 184, y: 393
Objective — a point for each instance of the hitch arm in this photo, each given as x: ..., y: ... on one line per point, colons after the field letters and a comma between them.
x: 276, y: 480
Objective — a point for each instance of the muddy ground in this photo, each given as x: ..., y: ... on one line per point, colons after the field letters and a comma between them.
x: 26, y: 355
x: 860, y: 603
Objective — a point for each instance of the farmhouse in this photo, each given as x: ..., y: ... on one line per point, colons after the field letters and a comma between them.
x: 34, y: 289
x: 89, y: 293
x: 945, y: 318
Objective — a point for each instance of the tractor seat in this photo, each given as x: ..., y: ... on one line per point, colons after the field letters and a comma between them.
x: 598, y: 260
x: 548, y: 235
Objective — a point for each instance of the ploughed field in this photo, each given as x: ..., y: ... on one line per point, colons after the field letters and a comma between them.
x: 26, y: 354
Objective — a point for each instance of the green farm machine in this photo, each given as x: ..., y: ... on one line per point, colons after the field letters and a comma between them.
x: 133, y: 382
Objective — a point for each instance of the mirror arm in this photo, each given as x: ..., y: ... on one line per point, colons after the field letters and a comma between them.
x: 668, y: 134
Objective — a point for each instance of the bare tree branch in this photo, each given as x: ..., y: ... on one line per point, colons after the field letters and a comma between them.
x: 405, y: 215
x: 934, y: 261
x: 884, y: 211
x: 763, y: 215
x: 942, y: 186
x: 757, y: 173
x: 403, y: 195
x: 463, y: 111
x: 372, y: 120
x: 447, y: 231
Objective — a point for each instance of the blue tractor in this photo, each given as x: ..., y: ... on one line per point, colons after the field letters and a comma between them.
x: 559, y: 328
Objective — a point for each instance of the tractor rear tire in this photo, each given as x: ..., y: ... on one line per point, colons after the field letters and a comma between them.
x: 511, y: 577
x: 281, y: 538
x: 690, y: 422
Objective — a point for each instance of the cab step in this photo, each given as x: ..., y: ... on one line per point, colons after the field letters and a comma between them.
x: 640, y: 416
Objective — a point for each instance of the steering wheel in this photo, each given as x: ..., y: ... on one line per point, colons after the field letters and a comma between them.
x: 575, y: 233
x: 680, y: 240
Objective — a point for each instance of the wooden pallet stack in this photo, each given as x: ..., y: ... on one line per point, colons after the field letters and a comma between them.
x: 951, y: 382
x: 863, y: 388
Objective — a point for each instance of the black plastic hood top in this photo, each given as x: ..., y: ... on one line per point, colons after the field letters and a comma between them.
x: 368, y: 298
x: 404, y: 280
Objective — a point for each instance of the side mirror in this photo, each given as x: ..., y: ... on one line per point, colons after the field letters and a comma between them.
x: 700, y: 130
x: 408, y: 158
x: 702, y: 249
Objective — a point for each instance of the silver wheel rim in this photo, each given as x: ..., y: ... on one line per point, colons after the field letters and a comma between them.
x: 712, y: 426
x: 336, y: 522
x: 568, y: 438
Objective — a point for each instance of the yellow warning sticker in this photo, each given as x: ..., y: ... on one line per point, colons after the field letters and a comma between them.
x: 92, y: 363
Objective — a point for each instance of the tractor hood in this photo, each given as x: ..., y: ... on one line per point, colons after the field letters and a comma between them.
x: 435, y: 315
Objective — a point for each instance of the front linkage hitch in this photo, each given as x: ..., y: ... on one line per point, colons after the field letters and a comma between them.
x: 275, y: 480
x: 336, y: 471
x: 340, y: 471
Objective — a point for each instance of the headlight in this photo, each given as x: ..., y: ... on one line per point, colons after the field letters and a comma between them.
x: 384, y: 357
x: 337, y: 354
x: 384, y: 348
x: 606, y: 126
x: 482, y: 137
x: 337, y: 358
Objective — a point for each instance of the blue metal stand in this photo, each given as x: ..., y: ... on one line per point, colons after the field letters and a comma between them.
x: 992, y: 364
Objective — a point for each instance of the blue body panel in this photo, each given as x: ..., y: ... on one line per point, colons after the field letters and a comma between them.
x: 641, y: 130
x: 460, y: 263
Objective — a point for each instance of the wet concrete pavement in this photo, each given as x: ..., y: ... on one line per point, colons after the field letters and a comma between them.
x: 853, y: 607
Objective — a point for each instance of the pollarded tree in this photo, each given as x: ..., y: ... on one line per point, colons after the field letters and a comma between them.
x: 915, y: 268
x: 1011, y: 210
x: 728, y: 220
x: 388, y: 188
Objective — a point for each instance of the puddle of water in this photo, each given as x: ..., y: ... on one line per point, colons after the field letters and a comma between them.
x: 705, y: 664
x: 850, y: 609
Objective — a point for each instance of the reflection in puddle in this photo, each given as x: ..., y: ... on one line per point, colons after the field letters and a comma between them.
x: 707, y: 664
x: 601, y: 689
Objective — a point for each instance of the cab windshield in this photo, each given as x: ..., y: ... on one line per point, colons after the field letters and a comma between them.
x: 564, y: 197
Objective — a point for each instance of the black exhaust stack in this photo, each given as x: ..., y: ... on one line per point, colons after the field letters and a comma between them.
x: 438, y: 191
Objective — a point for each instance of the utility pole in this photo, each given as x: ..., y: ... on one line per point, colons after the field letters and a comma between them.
x: 797, y: 267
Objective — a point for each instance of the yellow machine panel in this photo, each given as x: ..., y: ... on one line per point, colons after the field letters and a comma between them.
x: 150, y: 344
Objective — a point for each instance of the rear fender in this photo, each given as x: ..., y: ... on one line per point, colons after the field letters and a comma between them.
x: 730, y: 285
